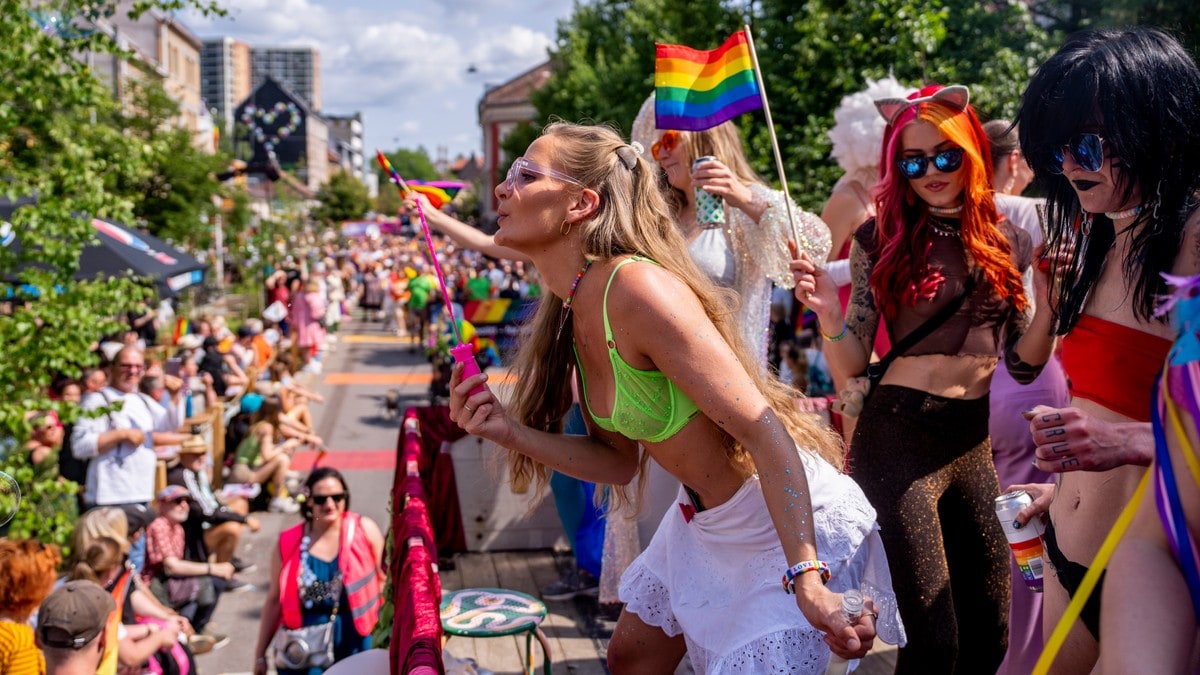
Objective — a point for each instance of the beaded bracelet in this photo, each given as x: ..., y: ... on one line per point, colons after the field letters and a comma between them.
x: 789, y: 577
x: 835, y: 338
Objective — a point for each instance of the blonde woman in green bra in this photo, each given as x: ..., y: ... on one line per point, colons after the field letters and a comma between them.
x: 662, y: 373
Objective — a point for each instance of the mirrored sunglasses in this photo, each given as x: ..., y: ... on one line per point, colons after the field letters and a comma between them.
x: 946, y: 161
x: 1086, y: 149
x: 521, y: 166
x: 666, y: 143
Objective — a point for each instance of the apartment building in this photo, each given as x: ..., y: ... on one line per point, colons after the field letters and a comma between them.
x: 297, y: 68
x: 224, y: 78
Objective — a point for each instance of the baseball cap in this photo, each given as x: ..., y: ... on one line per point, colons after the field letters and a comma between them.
x: 73, y: 615
x: 137, y: 516
x: 251, y: 403
x: 171, y: 493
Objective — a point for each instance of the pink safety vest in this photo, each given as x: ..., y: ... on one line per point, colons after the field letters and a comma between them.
x: 356, y: 561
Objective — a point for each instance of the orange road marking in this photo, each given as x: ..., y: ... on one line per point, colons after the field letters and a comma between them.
x: 425, y: 377
x: 374, y: 339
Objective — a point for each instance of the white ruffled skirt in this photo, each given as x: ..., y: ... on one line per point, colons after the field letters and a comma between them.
x: 716, y: 579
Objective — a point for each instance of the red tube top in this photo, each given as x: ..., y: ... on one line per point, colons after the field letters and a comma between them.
x: 1113, y: 365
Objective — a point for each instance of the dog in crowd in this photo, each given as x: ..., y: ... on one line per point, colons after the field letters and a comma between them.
x: 391, y: 402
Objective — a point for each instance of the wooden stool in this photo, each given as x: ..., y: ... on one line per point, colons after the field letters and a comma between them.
x: 496, y: 612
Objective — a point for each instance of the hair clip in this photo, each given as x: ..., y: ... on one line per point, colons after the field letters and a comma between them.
x: 628, y: 154
x: 956, y: 96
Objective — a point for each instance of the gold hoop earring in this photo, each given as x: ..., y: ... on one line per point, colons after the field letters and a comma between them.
x: 566, y: 231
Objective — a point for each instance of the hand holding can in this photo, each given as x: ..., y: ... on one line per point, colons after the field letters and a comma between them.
x: 710, y: 208
x: 1025, y: 542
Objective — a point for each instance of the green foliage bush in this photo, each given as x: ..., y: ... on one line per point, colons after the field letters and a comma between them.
x: 46, y: 508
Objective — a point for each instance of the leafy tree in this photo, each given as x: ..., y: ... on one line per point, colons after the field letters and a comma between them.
x: 813, y: 57
x: 57, y: 149
x: 604, y: 55
x: 344, y: 197
x: 173, y: 196
x: 1180, y: 17
x: 811, y: 54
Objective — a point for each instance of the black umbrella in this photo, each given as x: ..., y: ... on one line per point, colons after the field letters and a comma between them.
x: 123, y: 249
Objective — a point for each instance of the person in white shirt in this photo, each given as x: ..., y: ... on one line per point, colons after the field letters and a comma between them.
x: 120, y: 444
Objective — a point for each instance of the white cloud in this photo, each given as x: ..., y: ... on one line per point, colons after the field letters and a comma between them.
x: 405, y: 67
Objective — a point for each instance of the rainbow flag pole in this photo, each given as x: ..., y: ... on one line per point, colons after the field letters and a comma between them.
x: 697, y: 90
x: 774, y: 140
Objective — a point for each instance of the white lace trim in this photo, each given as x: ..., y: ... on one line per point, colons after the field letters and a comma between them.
x: 796, y: 650
x: 646, y: 595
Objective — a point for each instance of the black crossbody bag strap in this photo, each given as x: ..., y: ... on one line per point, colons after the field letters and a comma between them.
x: 876, y: 370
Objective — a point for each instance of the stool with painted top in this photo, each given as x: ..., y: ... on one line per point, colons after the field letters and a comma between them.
x: 496, y: 612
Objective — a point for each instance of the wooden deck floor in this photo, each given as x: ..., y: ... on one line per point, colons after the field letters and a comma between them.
x: 577, y: 631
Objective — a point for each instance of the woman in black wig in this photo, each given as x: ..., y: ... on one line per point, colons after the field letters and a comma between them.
x: 1111, y: 125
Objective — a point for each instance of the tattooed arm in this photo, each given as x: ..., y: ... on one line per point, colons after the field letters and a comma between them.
x: 1015, y: 359
x: 1030, y: 340
x: 849, y: 336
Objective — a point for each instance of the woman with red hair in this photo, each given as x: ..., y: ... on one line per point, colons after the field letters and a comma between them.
x: 942, y: 267
x: 26, y: 578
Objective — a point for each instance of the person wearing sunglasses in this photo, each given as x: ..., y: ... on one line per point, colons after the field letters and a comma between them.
x: 572, y: 498
x: 663, y: 369
x: 1111, y: 125
x: 749, y: 253
x: 327, y: 568
x: 943, y: 269
x: 119, y: 444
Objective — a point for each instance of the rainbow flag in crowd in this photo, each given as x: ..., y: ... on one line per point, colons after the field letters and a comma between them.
x: 696, y: 90
x: 437, y: 196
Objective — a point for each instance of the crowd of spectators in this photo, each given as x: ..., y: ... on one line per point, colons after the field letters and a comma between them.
x: 184, y: 428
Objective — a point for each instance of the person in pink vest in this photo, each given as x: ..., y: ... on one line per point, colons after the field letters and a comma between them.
x: 332, y: 560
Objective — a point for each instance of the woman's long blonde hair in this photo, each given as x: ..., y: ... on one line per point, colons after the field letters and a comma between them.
x: 633, y: 217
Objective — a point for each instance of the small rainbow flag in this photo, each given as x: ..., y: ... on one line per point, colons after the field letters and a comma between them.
x: 438, y: 197
x: 696, y: 90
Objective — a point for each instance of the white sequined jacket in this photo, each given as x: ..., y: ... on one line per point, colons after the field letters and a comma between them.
x: 748, y: 257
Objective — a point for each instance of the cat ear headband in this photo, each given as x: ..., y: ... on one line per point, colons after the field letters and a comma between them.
x: 956, y: 96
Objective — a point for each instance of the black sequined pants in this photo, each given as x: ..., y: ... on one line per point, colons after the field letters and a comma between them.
x: 925, y: 463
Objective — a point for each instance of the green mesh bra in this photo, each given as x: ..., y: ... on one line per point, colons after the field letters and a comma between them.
x: 647, y: 406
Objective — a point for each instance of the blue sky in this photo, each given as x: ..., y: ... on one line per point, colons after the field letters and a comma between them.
x: 403, y: 64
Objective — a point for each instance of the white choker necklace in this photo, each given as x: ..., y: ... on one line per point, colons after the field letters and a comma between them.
x: 939, y: 211
x: 1121, y: 215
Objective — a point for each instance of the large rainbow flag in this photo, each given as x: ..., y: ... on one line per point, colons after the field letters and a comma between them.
x: 696, y: 90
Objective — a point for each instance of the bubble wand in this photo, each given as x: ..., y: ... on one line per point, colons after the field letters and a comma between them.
x: 462, y: 352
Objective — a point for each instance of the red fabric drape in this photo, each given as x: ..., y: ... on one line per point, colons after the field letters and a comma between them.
x: 416, y: 646
x: 437, y: 473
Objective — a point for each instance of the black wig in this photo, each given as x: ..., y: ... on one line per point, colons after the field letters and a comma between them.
x: 1140, y: 91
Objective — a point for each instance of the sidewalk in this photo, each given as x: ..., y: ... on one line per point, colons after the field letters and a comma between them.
x: 362, y: 366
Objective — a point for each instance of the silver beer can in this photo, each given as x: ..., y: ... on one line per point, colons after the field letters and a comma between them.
x: 1025, y: 541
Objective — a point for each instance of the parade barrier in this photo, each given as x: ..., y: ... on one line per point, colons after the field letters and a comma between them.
x: 414, y: 587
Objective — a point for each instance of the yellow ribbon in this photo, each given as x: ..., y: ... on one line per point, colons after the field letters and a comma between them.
x: 1089, y: 580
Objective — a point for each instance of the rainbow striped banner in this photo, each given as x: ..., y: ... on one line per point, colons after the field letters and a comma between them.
x: 696, y: 90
